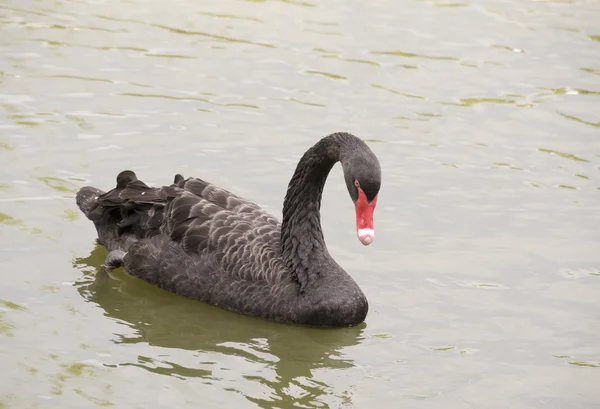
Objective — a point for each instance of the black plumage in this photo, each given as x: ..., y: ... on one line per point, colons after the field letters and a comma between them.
x: 201, y: 241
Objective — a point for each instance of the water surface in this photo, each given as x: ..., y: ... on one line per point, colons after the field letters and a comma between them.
x: 484, y: 278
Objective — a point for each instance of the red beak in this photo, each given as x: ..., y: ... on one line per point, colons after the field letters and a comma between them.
x: 364, y: 218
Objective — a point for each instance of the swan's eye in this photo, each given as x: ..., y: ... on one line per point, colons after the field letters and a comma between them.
x: 356, y: 183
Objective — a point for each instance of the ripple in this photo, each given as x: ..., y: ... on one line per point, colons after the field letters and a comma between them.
x: 105, y: 148
x: 80, y: 122
x: 428, y: 114
x: 451, y: 5
x: 7, y: 146
x: 187, y: 32
x: 102, y: 48
x: 327, y: 33
x: 563, y: 155
x: 291, y: 2
x: 314, y: 104
x: 469, y: 102
x: 398, y: 53
x: 230, y: 16
x: 508, y: 48
x: 569, y: 29
x: 589, y: 364
x: 496, y: 63
x: 475, y: 101
x: 88, y: 136
x: 205, y: 100
x: 323, y: 50
x: 76, y: 115
x: 231, y: 104
x: 163, y: 367
x: 213, y: 36
x: 9, y: 74
x: 505, y: 165
x: 405, y: 118
x: 359, y: 61
x: 576, y: 119
x: 408, y: 67
x: 8, y: 220
x: 443, y: 348
x: 76, y: 77
x: 591, y: 71
x: 475, y: 284
x: 71, y: 28
x: 405, y: 94
x: 12, y: 305
x: 169, y: 55
x: 26, y: 120
x: 415, y: 397
x: 58, y: 184
x: 322, y: 23
x: 24, y: 11
x: 568, y: 91
x: 326, y: 74
x: 578, y: 274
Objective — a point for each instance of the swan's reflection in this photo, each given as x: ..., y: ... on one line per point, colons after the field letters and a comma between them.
x: 162, y: 319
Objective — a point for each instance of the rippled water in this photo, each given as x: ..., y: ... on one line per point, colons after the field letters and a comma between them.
x: 483, y: 282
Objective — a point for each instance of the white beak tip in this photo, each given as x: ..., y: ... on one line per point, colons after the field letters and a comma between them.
x: 366, y: 236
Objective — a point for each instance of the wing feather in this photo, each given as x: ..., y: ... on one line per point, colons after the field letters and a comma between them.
x: 204, y: 220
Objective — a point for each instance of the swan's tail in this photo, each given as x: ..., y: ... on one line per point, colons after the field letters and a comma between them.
x: 86, y: 199
x: 125, y: 214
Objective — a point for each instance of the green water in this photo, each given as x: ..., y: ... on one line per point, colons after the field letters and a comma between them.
x: 484, y: 277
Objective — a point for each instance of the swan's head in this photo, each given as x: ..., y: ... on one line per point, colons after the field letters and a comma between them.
x: 362, y: 173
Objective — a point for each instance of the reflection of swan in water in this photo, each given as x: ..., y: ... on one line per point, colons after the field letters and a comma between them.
x: 163, y: 319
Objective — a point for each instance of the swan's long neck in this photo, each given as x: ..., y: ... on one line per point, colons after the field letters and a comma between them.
x: 302, y: 242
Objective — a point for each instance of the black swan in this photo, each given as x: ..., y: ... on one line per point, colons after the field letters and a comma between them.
x: 200, y: 241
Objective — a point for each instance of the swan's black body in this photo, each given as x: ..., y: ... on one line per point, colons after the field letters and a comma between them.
x: 201, y: 241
